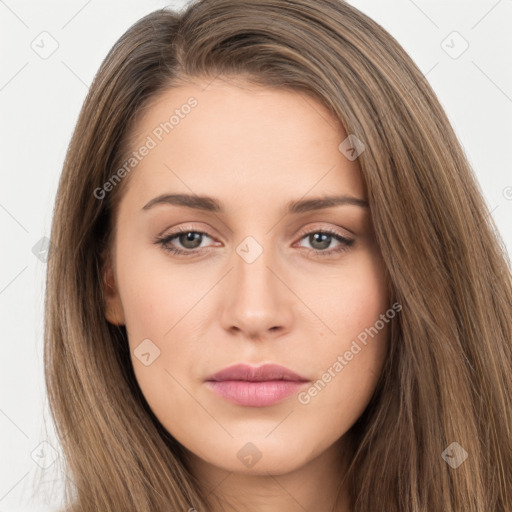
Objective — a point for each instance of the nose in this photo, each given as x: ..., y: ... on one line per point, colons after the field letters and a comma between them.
x: 257, y: 302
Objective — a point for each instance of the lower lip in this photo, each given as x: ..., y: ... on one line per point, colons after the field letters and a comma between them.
x: 255, y: 394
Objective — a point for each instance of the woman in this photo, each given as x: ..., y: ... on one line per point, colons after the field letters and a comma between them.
x: 198, y: 355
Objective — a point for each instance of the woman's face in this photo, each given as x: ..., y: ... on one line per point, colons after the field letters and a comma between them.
x: 266, y: 275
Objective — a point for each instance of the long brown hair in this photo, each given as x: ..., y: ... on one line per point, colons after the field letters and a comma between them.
x: 448, y: 377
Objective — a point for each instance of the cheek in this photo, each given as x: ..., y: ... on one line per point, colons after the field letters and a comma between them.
x: 156, y: 299
x: 155, y: 295
x: 350, y: 359
x: 162, y: 304
x: 348, y: 299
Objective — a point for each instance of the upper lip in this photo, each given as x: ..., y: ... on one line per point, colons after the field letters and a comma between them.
x: 265, y: 372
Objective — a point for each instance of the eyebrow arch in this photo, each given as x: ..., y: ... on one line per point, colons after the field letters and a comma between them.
x: 293, y: 207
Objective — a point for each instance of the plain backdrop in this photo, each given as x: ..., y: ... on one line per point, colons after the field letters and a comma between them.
x: 50, y: 53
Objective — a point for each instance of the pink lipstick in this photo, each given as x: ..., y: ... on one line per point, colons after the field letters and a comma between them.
x: 256, y: 387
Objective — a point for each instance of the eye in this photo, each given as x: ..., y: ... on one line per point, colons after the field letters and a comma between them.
x: 321, y: 239
x: 190, y: 241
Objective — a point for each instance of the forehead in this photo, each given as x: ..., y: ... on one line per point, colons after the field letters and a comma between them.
x: 242, y: 141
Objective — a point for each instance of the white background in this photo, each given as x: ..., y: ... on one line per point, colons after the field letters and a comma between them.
x: 40, y: 100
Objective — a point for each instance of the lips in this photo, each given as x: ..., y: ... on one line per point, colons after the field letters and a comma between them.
x: 267, y: 372
x: 256, y: 387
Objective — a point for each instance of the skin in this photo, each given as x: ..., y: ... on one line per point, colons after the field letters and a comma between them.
x: 253, y: 149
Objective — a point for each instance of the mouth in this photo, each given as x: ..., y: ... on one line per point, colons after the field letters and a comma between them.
x: 256, y: 387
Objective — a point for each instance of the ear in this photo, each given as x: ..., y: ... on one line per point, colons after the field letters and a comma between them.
x: 113, y: 307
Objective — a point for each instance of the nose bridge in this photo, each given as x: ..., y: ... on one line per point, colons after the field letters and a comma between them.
x: 252, y: 275
x: 257, y: 298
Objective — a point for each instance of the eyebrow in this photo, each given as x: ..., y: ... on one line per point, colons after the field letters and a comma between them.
x: 209, y: 204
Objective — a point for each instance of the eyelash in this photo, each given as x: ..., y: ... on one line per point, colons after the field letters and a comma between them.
x: 345, y: 243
